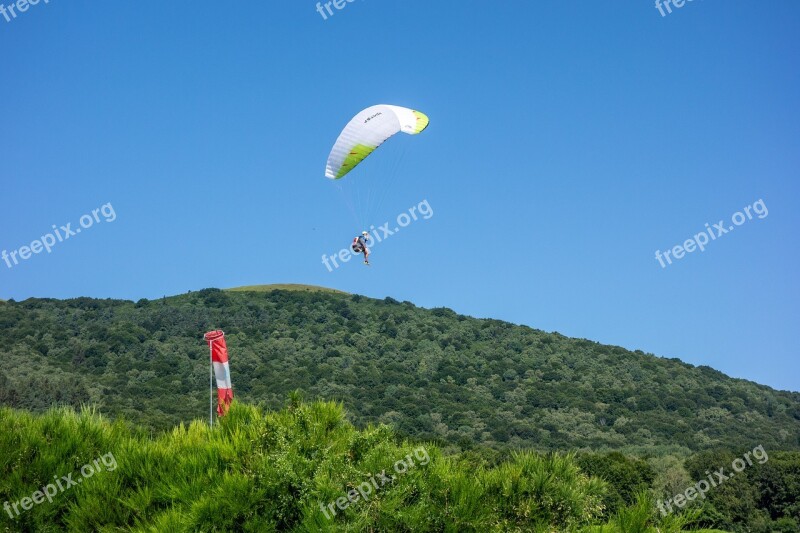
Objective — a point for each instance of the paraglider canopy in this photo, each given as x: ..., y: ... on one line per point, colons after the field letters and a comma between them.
x: 367, y: 131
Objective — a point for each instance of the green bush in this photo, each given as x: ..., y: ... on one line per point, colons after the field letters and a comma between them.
x: 276, y: 471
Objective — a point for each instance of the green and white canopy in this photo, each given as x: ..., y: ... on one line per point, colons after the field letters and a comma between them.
x: 367, y: 131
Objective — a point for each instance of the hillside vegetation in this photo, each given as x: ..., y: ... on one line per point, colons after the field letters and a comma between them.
x: 304, y: 468
x: 473, y: 392
x: 430, y: 374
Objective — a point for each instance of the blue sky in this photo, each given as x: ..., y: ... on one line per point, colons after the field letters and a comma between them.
x: 568, y: 142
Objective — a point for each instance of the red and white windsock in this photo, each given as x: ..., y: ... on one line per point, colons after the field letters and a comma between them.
x: 219, y: 359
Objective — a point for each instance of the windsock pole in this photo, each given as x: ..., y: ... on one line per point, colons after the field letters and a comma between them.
x: 211, y: 384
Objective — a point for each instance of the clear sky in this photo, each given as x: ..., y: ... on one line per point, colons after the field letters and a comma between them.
x: 569, y: 141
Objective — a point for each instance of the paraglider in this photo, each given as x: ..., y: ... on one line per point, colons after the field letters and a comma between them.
x: 361, y: 137
x: 360, y: 246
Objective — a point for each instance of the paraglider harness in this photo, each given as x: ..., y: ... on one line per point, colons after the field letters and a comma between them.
x: 359, y: 243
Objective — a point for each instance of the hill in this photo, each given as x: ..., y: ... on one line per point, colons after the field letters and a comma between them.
x: 431, y: 374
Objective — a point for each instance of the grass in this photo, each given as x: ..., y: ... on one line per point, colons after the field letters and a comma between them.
x: 285, y: 287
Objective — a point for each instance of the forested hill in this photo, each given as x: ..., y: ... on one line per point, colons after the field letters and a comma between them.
x: 431, y: 373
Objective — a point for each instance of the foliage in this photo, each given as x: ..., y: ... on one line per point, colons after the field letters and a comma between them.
x: 763, y: 497
x: 431, y: 374
x: 276, y: 471
x: 627, y: 477
x: 480, y: 390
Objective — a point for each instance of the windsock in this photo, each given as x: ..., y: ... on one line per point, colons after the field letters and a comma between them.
x: 219, y: 360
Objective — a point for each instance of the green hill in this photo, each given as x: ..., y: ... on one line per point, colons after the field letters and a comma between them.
x: 429, y: 373
x: 475, y: 391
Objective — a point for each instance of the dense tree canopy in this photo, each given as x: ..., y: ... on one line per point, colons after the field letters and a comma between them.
x: 431, y: 374
x: 481, y: 388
